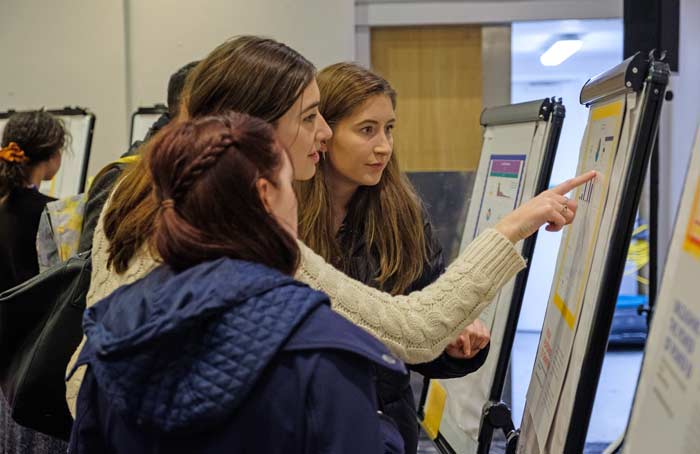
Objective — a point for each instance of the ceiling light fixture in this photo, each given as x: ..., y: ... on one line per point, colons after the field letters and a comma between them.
x: 561, y: 50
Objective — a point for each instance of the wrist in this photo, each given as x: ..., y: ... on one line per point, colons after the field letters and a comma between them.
x: 508, y: 232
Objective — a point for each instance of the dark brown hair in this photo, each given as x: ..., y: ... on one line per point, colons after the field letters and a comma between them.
x: 389, y: 213
x: 176, y: 85
x: 204, y: 173
x: 256, y: 76
x: 39, y: 135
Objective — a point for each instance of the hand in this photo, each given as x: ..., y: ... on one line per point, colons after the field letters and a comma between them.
x: 550, y: 207
x: 471, y: 341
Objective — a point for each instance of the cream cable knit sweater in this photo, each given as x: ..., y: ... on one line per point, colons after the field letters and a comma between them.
x: 416, y: 327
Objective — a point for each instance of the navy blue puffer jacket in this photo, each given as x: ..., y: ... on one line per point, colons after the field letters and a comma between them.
x: 228, y: 356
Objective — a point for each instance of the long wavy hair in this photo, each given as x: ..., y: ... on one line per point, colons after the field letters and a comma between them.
x: 256, y: 76
x: 390, y: 213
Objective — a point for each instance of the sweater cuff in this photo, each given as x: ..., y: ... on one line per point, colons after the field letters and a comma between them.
x: 461, y: 367
x: 495, y: 256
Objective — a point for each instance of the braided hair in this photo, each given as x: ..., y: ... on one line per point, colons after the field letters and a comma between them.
x: 204, y: 173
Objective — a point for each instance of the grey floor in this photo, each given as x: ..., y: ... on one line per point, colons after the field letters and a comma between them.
x: 613, y: 400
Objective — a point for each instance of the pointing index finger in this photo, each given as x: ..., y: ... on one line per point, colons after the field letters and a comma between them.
x: 575, y: 182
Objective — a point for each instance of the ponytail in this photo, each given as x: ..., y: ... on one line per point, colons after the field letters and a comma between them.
x: 12, y: 169
x: 28, y: 139
x: 204, y: 173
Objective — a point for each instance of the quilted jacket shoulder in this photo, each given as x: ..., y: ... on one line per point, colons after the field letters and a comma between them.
x: 180, y: 352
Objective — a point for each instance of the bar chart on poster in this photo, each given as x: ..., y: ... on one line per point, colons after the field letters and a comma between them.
x: 574, y: 263
x: 667, y: 401
x: 502, y: 188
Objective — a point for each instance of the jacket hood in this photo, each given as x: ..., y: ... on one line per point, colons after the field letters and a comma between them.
x: 179, y: 351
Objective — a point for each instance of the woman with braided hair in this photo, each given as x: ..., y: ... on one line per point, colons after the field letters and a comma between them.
x: 220, y: 349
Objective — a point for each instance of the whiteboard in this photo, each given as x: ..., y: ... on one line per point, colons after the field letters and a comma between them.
x: 513, y: 158
x: 666, y: 407
x: 591, y: 260
x: 143, y: 119
x: 70, y: 179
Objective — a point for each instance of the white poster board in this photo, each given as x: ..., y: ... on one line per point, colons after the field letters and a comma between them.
x: 666, y: 407
x: 143, y: 119
x: 509, y: 173
x: 584, y: 292
x: 574, y: 266
x: 70, y: 179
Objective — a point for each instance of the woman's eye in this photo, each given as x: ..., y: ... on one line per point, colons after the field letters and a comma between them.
x: 389, y: 129
x: 310, y: 118
x: 367, y: 130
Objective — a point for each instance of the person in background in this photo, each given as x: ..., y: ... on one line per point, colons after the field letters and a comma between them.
x: 176, y: 85
x: 220, y: 349
x: 363, y: 216
x: 32, y: 143
x: 30, y: 152
x: 105, y: 179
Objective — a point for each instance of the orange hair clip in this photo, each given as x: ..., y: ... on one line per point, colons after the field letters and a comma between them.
x: 13, y: 153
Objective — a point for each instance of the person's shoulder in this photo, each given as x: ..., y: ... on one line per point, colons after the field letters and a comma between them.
x: 31, y: 199
x: 328, y: 333
x: 43, y: 199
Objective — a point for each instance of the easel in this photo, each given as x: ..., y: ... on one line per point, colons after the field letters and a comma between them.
x: 545, y: 118
x: 648, y: 77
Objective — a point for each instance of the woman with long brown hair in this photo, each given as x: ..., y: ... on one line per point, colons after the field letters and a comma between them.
x: 363, y: 216
x: 220, y: 349
x: 267, y: 79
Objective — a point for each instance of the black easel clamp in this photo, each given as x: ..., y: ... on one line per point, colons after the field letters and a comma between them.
x: 497, y: 415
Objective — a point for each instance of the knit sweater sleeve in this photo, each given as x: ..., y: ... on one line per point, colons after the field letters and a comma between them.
x: 104, y: 281
x: 417, y: 327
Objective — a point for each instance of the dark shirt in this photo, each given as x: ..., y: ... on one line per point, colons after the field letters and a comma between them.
x: 394, y: 390
x: 19, y: 222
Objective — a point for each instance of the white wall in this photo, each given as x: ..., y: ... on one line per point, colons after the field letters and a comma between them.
x: 113, y: 56
x: 67, y: 52
x: 165, y: 34
x: 434, y: 12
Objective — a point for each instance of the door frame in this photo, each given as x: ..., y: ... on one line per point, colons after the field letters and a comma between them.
x: 495, y: 16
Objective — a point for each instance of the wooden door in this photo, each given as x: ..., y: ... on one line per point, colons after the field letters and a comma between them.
x: 437, y: 73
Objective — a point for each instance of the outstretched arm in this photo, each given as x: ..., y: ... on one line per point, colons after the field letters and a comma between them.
x: 417, y: 327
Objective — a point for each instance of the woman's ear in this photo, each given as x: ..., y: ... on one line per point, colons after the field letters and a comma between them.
x: 264, y: 188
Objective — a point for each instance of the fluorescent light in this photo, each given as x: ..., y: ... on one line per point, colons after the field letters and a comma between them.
x: 560, y: 51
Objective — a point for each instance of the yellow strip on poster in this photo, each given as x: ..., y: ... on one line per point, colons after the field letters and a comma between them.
x: 434, y: 407
x: 692, y: 236
x: 569, y: 318
x: 608, y: 112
